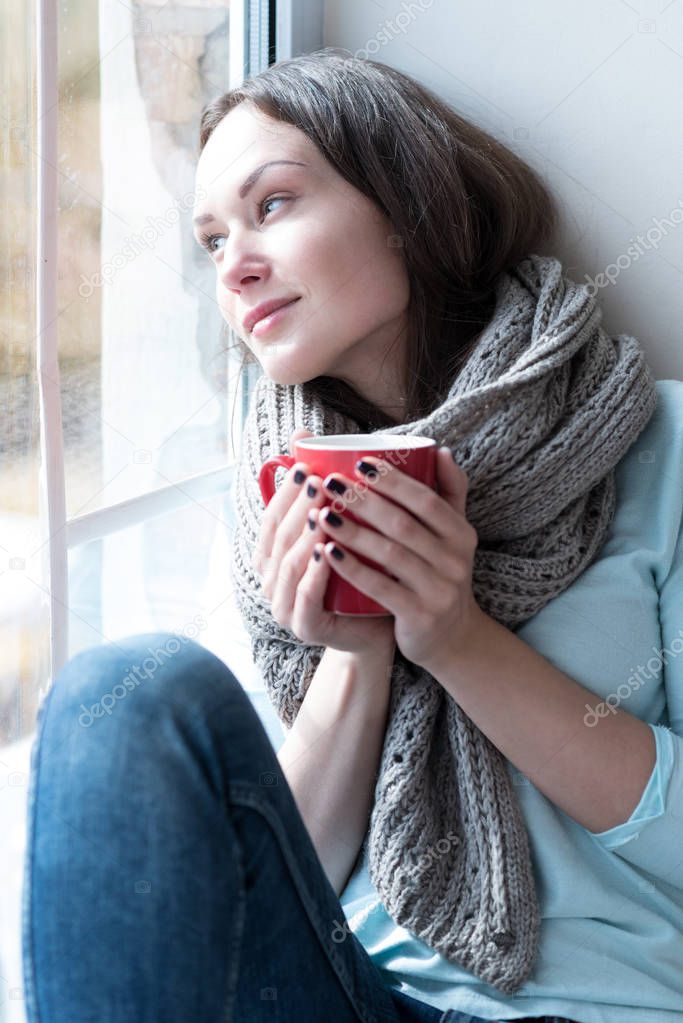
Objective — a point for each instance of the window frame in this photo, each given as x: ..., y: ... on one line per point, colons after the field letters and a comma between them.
x: 259, y: 30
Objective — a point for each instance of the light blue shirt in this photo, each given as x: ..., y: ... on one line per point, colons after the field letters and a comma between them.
x: 611, y: 939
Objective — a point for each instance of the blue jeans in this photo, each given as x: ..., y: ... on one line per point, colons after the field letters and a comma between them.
x: 169, y: 875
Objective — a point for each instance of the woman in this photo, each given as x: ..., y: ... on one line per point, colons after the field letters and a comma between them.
x: 456, y: 826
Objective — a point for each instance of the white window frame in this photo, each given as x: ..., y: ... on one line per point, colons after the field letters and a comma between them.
x: 298, y: 29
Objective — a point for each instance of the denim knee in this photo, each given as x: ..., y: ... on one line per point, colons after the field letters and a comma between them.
x: 139, y: 675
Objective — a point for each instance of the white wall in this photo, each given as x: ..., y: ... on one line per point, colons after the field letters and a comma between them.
x: 589, y: 95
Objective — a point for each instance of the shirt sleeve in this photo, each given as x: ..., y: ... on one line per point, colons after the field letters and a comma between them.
x: 652, y: 838
x: 653, y: 801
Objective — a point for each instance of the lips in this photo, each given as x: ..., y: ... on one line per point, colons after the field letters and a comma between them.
x: 264, y: 309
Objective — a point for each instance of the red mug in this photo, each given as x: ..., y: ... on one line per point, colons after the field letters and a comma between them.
x: 412, y: 454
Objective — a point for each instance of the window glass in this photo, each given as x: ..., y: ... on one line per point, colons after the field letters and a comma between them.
x: 144, y: 371
x: 24, y: 621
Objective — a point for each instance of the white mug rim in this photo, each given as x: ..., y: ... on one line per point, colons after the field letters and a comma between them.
x: 367, y: 441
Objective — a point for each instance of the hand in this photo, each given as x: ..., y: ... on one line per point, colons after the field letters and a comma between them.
x: 295, y: 582
x: 424, y: 540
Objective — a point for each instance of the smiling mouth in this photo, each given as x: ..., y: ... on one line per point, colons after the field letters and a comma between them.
x: 272, y: 319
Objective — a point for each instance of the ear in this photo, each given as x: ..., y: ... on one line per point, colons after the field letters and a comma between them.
x: 296, y: 435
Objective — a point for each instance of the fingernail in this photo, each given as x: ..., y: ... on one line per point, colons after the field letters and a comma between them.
x: 299, y: 476
x: 316, y: 554
x: 336, y: 552
x: 311, y: 490
x: 336, y: 486
x: 311, y: 522
x: 333, y: 518
x: 367, y: 469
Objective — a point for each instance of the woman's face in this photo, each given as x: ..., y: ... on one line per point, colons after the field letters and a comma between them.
x: 303, y: 231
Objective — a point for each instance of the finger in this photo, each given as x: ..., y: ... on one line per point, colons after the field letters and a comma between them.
x: 452, y: 480
x: 402, y: 559
x: 412, y: 526
x: 289, y: 528
x: 308, y: 617
x: 427, y: 505
x: 279, y: 582
x: 283, y: 498
x: 382, y: 588
x: 281, y: 585
x: 412, y: 504
x: 285, y: 494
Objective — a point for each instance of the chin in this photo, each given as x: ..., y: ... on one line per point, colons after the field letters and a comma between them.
x: 289, y: 377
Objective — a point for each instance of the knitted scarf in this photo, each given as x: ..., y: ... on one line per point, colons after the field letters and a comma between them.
x: 542, y: 411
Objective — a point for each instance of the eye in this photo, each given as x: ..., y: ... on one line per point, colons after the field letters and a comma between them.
x: 272, y: 198
x: 207, y: 240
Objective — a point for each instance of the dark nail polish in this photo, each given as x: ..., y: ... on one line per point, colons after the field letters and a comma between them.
x: 337, y: 553
x: 299, y: 476
x: 336, y: 486
x: 311, y: 490
x: 316, y: 554
x: 311, y: 522
x: 333, y: 518
x: 367, y: 469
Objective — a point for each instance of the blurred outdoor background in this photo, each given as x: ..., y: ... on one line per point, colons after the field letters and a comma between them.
x: 145, y: 378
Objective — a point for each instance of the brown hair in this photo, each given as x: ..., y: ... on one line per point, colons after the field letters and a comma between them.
x: 464, y: 207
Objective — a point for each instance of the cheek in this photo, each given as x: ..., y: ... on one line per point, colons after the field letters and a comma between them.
x: 378, y: 287
x: 321, y: 242
x: 360, y: 253
x: 225, y: 305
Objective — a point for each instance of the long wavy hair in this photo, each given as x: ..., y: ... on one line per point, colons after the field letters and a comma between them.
x: 464, y: 207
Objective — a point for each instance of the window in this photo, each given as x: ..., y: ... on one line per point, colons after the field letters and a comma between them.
x: 122, y: 410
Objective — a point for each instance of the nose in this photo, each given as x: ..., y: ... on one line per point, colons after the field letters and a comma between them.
x: 232, y: 300
x: 240, y: 263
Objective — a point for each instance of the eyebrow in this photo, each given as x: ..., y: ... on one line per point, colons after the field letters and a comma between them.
x: 248, y: 184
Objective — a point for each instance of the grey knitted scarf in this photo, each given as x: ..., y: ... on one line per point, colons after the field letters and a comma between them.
x: 545, y: 407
